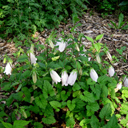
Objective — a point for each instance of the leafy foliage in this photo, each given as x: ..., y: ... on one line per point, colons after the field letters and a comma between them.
x: 37, y: 103
x: 25, y: 17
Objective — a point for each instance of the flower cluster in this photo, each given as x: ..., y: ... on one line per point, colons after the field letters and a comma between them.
x: 66, y: 80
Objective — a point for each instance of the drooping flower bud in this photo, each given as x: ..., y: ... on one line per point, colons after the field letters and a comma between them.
x: 125, y: 82
x: 77, y: 47
x: 72, y: 77
x: 93, y: 75
x: 64, y: 77
x: 109, y: 55
x: 118, y: 86
x: 51, y: 44
x: 98, y: 58
x: 34, y: 77
x: 8, y: 69
x: 111, y: 71
x: 55, y: 77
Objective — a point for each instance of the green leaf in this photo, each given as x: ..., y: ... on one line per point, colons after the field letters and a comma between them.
x: 76, y: 87
x: 90, y: 39
x: 38, y: 125
x: 27, y: 94
x: 88, y: 97
x: 7, y: 125
x: 2, y: 126
x: 41, y: 101
x: 114, y: 24
x: 70, y: 122
x: 64, y: 96
x: 125, y: 27
x: 22, y: 58
x: 94, y: 122
x: 49, y: 110
x: 99, y: 36
x: 124, y: 122
x: 113, y: 123
x: 26, y: 74
x: 121, y: 18
x: 84, y: 122
x: 2, y: 114
x: 48, y: 89
x: 105, y: 112
x: 98, y: 46
x: 125, y: 93
x: 49, y: 120
x: 55, y: 104
x: 104, y: 91
x: 93, y: 106
x: 71, y: 104
x: 20, y: 123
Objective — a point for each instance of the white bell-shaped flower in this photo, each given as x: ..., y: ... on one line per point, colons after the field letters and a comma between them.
x: 125, y: 82
x: 64, y: 78
x: 62, y: 45
x: 33, y: 58
x: 111, y: 71
x: 72, y: 77
x: 109, y: 55
x: 98, y: 58
x: 118, y: 86
x: 8, y: 69
x: 93, y: 75
x: 55, y: 77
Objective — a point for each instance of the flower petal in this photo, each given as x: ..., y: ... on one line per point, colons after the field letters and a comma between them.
x: 8, y: 69
x: 72, y: 77
x: 33, y: 58
x: 55, y: 77
x: 64, y: 77
x: 93, y: 75
x: 111, y: 71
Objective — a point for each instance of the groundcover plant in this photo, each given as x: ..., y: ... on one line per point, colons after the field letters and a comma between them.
x: 64, y: 83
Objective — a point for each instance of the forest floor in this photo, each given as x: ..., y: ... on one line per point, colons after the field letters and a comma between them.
x: 92, y: 25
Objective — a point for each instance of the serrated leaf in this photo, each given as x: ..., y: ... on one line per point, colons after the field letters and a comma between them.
x: 20, y: 123
x: 41, y: 101
x: 113, y: 123
x: 38, y: 125
x: 26, y: 74
x: 93, y: 106
x: 55, y: 104
x: 99, y: 36
x: 105, y: 112
x: 22, y: 58
x: 49, y: 120
x: 94, y: 122
x: 88, y: 97
x: 48, y: 89
x: 70, y: 122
